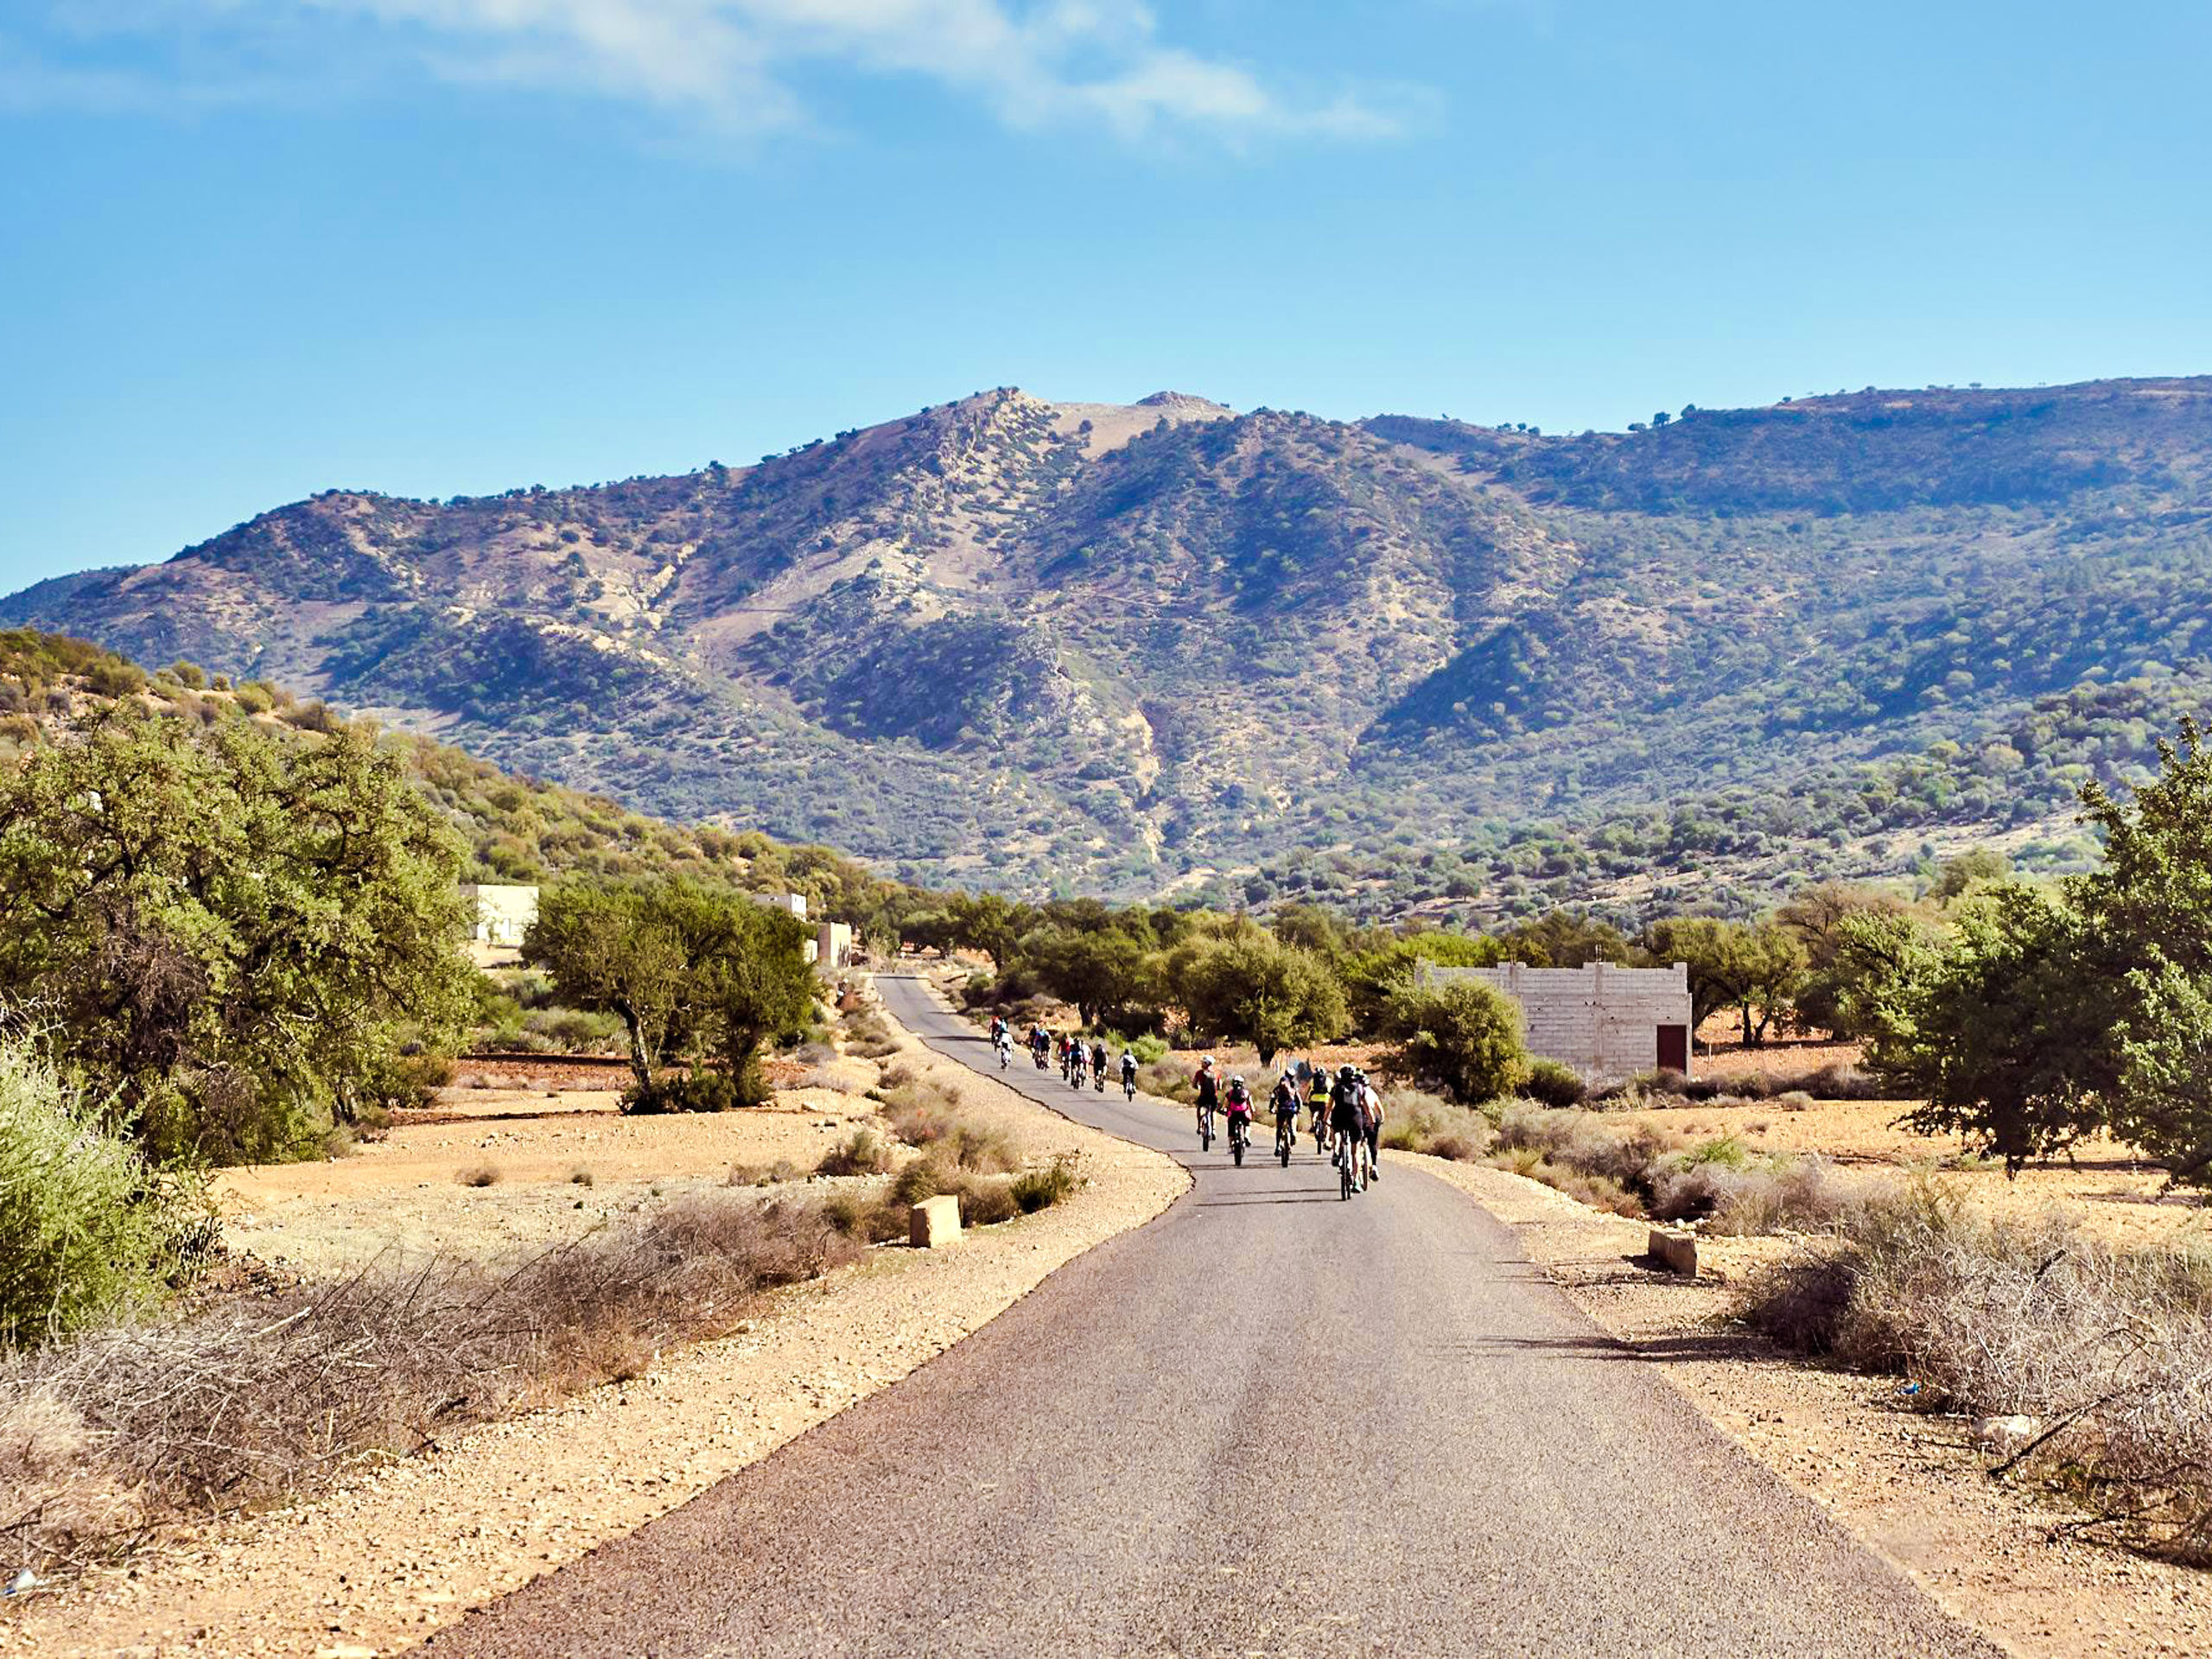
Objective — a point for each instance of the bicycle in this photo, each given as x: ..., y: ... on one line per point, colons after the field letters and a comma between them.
x: 1205, y: 1128
x: 1347, y: 1166
x: 1128, y: 1085
x: 1240, y: 1135
x: 1285, y: 1133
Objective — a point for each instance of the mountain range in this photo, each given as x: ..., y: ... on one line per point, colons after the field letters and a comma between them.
x: 1169, y: 647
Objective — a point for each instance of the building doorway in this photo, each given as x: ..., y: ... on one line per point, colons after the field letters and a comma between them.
x: 1674, y: 1048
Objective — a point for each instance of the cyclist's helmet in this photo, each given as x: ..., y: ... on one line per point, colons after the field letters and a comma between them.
x: 1239, y: 1078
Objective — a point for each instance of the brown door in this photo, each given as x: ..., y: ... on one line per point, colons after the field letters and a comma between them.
x: 1674, y: 1048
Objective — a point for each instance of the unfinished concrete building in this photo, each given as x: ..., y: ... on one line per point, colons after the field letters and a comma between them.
x: 1608, y: 1023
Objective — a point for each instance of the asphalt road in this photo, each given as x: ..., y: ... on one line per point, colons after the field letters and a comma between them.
x: 1269, y: 1422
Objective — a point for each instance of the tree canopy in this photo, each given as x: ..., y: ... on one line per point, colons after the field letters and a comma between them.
x: 229, y: 936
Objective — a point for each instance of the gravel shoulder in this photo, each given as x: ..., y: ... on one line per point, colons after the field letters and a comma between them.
x: 401, y: 1550
x: 1912, y: 1486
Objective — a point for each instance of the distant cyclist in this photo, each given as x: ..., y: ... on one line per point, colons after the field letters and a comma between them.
x: 1129, y: 1075
x: 1005, y: 1047
x: 1208, y: 1087
x: 1319, y: 1099
x: 1370, y: 1110
x: 1285, y: 1102
x: 1098, y: 1066
x: 1347, y: 1126
x: 1237, y: 1103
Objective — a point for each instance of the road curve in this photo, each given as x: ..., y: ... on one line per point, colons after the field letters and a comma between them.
x: 1269, y: 1422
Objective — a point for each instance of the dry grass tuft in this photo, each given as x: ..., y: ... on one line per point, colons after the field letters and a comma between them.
x: 478, y: 1175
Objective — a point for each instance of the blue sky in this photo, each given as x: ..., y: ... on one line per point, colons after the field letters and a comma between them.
x: 250, y: 249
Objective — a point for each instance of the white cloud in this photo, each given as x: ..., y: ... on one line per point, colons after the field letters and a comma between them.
x: 727, y: 64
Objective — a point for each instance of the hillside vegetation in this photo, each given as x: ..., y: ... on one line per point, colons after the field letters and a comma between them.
x: 513, y: 828
x: 1026, y: 645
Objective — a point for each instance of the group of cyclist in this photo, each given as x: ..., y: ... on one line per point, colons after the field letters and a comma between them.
x: 1078, y: 1061
x: 1346, y: 1107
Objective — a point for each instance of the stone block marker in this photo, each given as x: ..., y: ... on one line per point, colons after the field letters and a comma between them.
x: 935, y: 1223
x: 1677, y: 1252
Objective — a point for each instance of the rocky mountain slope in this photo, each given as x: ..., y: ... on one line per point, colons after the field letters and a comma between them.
x: 1130, y: 649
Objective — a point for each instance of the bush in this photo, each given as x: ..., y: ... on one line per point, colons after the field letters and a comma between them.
x: 2107, y: 1350
x: 1465, y: 1036
x: 573, y: 1031
x: 478, y: 1175
x: 863, y: 1154
x: 1414, y: 1122
x: 88, y: 1227
x: 1038, y: 1189
x: 1554, y: 1085
x: 681, y: 1092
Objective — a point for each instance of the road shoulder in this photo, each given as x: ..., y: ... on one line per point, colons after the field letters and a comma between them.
x: 1909, y: 1486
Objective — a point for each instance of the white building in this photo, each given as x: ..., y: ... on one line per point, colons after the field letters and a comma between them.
x: 1608, y: 1023
x: 498, y: 915
x: 791, y: 904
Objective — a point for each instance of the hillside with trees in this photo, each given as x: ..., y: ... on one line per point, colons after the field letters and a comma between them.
x: 1445, y: 669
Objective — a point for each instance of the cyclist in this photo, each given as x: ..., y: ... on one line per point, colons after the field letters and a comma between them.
x: 1347, y: 1130
x: 1129, y: 1075
x: 1238, y: 1104
x: 998, y: 1028
x: 1077, y: 1058
x: 1004, y: 1044
x: 1209, y: 1085
x: 1318, y: 1083
x: 1286, y: 1102
x: 1370, y: 1107
x: 1098, y: 1065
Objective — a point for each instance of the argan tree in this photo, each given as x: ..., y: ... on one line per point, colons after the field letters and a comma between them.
x: 232, y: 937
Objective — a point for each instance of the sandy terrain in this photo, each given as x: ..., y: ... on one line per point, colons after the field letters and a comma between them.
x: 405, y: 1192
x: 396, y: 1551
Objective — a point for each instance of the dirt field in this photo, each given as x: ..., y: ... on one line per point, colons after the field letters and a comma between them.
x: 537, y: 1128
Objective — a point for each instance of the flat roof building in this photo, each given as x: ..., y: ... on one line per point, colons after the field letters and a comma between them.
x: 1608, y: 1023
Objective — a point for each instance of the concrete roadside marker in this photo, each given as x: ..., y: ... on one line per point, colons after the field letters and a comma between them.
x: 935, y: 1223
x: 1677, y: 1252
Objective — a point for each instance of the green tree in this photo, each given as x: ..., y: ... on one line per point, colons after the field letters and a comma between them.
x: 1836, y: 966
x: 1372, y: 977
x: 1104, y: 971
x: 1464, y: 1036
x: 1754, y: 968
x: 1254, y: 988
x: 234, y: 935
x: 692, y: 973
x: 1567, y: 938
x: 2000, y: 1031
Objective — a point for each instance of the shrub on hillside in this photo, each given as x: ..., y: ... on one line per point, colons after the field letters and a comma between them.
x: 88, y: 1229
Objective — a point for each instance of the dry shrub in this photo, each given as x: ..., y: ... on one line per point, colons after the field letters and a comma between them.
x: 478, y: 1175
x: 251, y: 1401
x: 1416, y: 1121
x: 866, y: 1035
x: 864, y: 1154
x: 1794, y: 1195
x: 926, y: 1114
x: 2108, y: 1350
